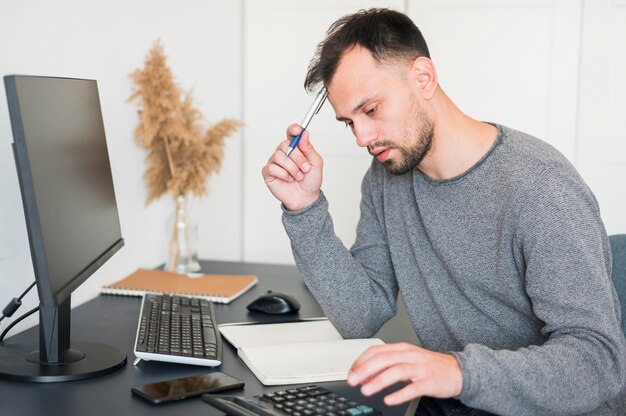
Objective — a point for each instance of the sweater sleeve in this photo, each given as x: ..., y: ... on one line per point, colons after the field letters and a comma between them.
x: 562, y: 250
x: 356, y: 288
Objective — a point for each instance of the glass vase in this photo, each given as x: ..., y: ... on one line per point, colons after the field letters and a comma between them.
x: 183, y: 244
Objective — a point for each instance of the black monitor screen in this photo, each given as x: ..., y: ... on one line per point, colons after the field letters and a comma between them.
x: 59, y: 124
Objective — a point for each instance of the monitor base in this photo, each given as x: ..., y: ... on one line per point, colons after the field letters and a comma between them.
x: 20, y: 363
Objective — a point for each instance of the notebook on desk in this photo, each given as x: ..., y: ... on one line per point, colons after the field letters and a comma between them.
x: 217, y: 288
x: 307, y: 351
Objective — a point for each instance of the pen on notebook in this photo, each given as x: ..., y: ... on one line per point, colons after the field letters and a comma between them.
x: 315, y: 107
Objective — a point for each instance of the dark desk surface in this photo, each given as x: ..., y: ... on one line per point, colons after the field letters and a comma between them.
x: 113, y: 320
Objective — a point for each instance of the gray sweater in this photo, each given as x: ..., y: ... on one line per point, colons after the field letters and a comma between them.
x: 506, y: 266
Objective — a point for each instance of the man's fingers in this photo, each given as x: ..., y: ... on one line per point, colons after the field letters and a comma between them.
x: 300, y: 159
x: 380, y: 349
x: 431, y: 373
x: 378, y: 363
x: 309, y: 151
x: 293, y: 130
x: 409, y: 392
x: 283, y: 146
x: 272, y: 171
x: 304, y: 148
x: 388, y: 377
x: 280, y: 158
x: 296, y: 155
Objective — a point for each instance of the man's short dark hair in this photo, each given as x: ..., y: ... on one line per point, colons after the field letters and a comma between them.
x: 387, y: 34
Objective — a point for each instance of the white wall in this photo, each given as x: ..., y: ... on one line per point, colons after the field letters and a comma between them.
x: 106, y: 41
x: 601, y: 138
x: 512, y: 62
x: 554, y: 68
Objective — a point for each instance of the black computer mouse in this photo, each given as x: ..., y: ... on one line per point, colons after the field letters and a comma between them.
x: 275, y: 303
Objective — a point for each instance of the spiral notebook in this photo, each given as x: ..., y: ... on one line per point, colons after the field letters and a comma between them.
x: 218, y: 288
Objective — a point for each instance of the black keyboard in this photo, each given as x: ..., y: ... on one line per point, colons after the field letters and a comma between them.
x: 178, y: 329
x: 301, y: 401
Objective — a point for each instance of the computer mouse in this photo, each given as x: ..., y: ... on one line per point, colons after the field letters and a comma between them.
x: 274, y: 303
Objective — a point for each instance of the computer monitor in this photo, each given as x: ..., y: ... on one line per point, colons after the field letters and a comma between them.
x: 71, y: 217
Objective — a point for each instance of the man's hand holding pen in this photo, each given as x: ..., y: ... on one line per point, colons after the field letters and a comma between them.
x: 295, y: 180
x: 293, y: 173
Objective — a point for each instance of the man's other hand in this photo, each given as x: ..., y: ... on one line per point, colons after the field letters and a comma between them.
x: 426, y: 373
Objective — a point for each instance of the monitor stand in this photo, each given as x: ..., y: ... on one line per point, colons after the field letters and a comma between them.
x: 55, y: 361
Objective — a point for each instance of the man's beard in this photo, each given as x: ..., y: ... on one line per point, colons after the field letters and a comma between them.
x: 411, y: 156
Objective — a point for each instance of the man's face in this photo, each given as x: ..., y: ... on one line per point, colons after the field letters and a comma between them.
x: 381, y: 107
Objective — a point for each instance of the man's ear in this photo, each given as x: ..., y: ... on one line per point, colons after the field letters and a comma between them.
x: 425, y: 76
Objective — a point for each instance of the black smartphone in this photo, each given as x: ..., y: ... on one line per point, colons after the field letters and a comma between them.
x: 183, y: 388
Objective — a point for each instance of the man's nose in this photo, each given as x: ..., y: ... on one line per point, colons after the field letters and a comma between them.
x: 365, y: 134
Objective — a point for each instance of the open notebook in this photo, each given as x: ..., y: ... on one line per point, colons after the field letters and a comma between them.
x: 307, y: 351
x: 214, y: 287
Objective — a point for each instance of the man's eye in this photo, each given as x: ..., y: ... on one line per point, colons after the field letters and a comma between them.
x: 349, y: 124
x: 371, y: 111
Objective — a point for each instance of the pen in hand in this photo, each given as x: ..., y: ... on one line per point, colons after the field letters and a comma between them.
x: 315, y: 107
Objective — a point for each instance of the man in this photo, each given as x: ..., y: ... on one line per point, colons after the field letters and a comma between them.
x: 490, y: 235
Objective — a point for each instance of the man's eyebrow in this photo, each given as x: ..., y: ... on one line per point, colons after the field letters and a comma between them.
x: 356, y: 108
x: 361, y: 104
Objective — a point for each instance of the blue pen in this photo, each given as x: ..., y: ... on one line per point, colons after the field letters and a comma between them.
x: 315, y: 108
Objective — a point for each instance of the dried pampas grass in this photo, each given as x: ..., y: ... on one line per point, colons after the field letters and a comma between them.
x: 181, y: 156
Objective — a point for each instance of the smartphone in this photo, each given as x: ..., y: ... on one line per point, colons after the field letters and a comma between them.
x: 183, y: 388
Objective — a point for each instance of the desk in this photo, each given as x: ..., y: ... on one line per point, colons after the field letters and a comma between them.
x: 113, y: 320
